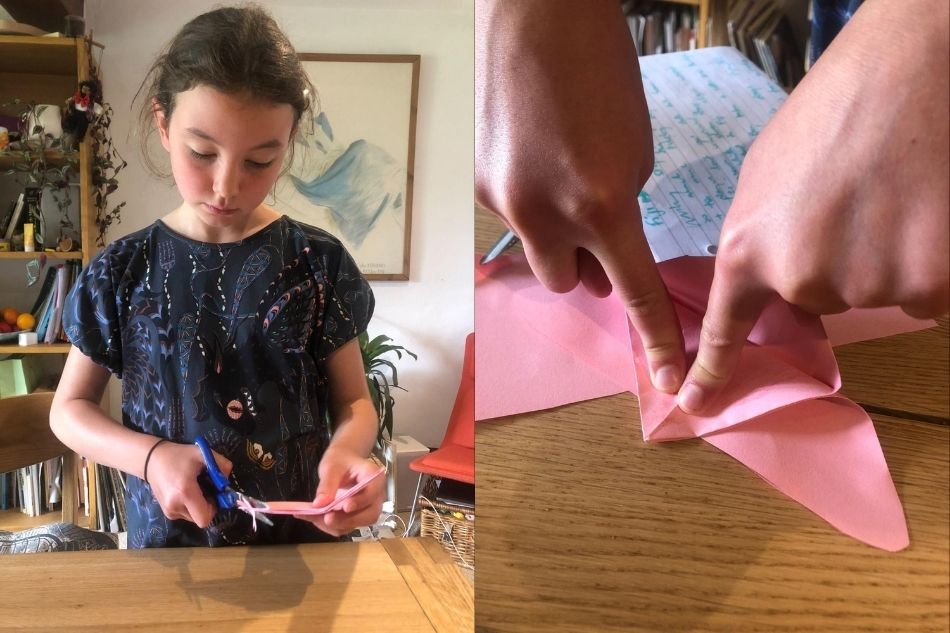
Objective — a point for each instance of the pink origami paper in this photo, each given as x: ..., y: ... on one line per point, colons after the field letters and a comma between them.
x: 780, y: 416
x: 307, y: 507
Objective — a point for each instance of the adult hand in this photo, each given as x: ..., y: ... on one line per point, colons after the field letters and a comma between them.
x: 562, y: 148
x: 173, y: 472
x: 842, y: 201
x: 341, y: 467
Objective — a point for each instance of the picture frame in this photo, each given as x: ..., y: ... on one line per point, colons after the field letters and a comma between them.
x: 352, y: 171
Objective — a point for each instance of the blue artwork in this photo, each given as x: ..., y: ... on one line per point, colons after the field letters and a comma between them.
x: 359, y: 183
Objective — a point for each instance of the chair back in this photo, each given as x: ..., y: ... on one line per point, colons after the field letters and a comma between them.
x: 26, y: 438
x: 461, y: 427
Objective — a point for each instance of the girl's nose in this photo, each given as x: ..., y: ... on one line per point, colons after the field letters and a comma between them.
x: 227, y: 181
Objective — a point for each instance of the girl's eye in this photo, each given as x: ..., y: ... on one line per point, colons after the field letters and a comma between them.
x: 255, y: 165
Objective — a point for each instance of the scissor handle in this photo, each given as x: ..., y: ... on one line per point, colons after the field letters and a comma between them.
x: 221, y: 483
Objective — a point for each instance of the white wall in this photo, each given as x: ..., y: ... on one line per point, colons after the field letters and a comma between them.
x: 432, y: 312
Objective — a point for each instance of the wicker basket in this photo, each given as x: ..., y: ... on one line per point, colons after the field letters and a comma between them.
x: 453, y: 526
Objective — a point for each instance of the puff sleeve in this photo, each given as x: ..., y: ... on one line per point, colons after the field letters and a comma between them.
x: 91, y: 315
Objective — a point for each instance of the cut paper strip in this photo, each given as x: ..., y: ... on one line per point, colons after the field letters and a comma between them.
x: 307, y: 507
x: 780, y: 417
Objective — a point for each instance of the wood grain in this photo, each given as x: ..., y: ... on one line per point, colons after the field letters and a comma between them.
x: 330, y: 587
x: 908, y: 374
x: 583, y: 526
x: 446, y: 596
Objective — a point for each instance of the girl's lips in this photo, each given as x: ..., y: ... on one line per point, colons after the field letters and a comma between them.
x: 218, y: 210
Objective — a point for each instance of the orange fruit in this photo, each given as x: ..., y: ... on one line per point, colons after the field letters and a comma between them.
x: 25, y: 321
x: 10, y: 315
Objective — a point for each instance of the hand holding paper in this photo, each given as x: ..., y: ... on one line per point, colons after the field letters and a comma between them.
x: 842, y: 201
x: 562, y: 151
x: 782, y: 418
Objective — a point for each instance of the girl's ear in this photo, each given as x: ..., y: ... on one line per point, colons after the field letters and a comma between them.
x: 161, y: 124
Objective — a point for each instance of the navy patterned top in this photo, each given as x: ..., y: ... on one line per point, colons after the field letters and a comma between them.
x: 228, y: 341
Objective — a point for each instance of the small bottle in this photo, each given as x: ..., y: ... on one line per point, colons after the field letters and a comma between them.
x: 29, y: 243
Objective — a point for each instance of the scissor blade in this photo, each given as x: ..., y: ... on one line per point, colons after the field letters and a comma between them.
x: 253, y: 506
x: 506, y: 241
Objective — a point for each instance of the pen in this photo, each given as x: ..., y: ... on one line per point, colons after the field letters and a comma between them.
x: 506, y: 241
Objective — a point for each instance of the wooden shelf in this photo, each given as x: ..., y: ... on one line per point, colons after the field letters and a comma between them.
x: 34, y: 255
x: 54, y: 158
x: 39, y: 348
x: 13, y: 520
x: 38, y: 55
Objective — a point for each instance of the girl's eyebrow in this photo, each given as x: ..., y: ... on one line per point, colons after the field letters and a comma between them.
x: 273, y: 143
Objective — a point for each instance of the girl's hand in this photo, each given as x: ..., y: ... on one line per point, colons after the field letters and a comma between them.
x: 342, y: 467
x: 173, y: 475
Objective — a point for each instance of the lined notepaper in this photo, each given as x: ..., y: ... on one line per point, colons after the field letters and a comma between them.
x: 706, y: 108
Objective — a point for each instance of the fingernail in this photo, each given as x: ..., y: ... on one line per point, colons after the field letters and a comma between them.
x: 667, y: 378
x: 691, y: 398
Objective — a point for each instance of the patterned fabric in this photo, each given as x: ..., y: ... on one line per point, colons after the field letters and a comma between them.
x: 828, y: 17
x: 55, y: 537
x: 228, y: 341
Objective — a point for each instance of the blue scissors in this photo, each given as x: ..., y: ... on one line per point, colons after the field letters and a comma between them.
x: 224, y: 494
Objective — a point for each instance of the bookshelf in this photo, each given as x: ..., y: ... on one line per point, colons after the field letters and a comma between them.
x: 710, y: 25
x: 43, y: 70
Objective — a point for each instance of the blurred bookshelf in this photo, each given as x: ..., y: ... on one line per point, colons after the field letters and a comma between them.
x: 773, y: 34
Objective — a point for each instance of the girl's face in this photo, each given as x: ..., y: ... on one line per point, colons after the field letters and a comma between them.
x: 226, y: 153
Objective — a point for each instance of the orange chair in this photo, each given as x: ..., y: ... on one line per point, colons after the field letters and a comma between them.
x: 455, y: 457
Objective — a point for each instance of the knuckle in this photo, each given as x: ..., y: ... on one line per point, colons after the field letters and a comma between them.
x: 709, y: 375
x: 645, y: 304
x: 734, y: 252
x: 715, y: 338
x: 595, y: 209
x: 661, y: 349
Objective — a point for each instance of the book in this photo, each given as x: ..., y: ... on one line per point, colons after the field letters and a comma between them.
x: 456, y: 493
x: 32, y: 213
x: 43, y: 295
x: 5, y: 220
x: 15, y: 217
x: 56, y: 320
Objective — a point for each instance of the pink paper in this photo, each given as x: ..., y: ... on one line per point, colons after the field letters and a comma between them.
x: 307, y: 507
x: 864, y: 324
x: 532, y: 349
x: 780, y: 416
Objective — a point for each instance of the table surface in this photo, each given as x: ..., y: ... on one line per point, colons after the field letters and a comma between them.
x: 408, y: 585
x: 585, y: 527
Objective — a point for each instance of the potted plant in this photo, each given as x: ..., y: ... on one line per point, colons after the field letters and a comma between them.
x: 380, y: 381
x: 382, y: 378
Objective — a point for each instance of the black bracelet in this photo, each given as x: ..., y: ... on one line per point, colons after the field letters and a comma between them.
x: 148, y: 457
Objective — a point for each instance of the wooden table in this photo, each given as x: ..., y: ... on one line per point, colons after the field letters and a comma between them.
x: 584, y: 527
x: 407, y: 585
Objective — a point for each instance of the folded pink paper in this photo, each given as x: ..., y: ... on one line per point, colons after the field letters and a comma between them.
x: 780, y: 416
x: 307, y: 507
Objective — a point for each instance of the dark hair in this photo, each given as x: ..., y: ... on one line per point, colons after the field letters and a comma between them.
x: 236, y: 50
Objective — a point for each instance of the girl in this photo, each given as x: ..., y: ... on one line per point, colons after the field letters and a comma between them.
x: 224, y: 319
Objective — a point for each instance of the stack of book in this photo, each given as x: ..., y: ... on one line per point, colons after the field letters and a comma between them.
x: 659, y: 27
x: 763, y: 33
x: 48, y: 307
x: 33, y: 490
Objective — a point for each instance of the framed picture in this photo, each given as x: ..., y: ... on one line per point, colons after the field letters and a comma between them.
x: 352, y: 168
